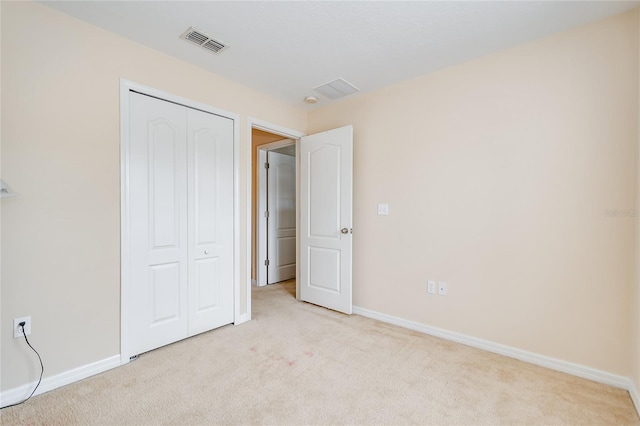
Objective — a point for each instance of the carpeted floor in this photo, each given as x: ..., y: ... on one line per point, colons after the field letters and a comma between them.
x: 296, y: 363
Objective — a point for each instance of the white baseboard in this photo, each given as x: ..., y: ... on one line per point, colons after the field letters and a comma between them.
x: 14, y: 395
x: 241, y: 319
x: 532, y: 358
x: 633, y: 392
x: 254, y: 283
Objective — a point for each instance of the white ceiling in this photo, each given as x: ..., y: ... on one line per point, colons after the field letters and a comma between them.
x: 286, y: 48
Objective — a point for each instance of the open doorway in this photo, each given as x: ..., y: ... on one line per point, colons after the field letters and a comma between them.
x: 262, y: 133
x: 275, y: 212
x: 258, y: 138
x: 324, y: 206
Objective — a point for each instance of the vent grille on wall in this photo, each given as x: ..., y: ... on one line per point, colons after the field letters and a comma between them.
x: 201, y: 39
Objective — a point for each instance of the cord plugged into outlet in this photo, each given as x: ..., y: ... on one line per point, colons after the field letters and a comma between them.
x: 20, y: 324
x: 22, y: 328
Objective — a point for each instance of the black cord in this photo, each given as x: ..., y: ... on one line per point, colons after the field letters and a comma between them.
x: 41, y: 370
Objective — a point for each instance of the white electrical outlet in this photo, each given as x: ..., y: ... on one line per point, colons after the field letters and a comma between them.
x: 17, y: 330
x: 431, y: 287
x: 442, y: 288
x: 383, y: 209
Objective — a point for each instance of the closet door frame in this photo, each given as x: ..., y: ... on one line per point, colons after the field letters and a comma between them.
x: 125, y: 285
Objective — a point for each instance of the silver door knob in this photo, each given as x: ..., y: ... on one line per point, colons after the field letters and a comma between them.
x: 345, y: 230
x: 206, y: 252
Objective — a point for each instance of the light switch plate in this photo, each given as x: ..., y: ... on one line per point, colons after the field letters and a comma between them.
x: 431, y: 287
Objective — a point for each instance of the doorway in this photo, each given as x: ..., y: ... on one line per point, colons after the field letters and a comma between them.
x: 261, y: 133
x: 276, y: 212
x: 274, y: 223
x: 324, y: 206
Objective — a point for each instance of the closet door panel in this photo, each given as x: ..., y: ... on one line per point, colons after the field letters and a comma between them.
x: 210, y: 224
x: 158, y: 223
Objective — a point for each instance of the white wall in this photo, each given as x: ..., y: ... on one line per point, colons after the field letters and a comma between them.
x: 60, y: 150
x: 498, y: 173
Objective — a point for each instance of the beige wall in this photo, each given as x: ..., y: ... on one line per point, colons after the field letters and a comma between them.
x: 258, y: 137
x: 635, y: 355
x: 60, y: 150
x: 498, y: 173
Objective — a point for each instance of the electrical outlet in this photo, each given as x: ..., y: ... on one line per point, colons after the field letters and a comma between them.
x: 431, y: 287
x: 442, y: 288
x: 17, y: 330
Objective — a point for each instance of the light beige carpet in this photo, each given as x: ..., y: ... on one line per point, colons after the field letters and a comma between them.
x: 296, y: 363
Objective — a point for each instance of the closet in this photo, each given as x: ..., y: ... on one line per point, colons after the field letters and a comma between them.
x: 180, y: 222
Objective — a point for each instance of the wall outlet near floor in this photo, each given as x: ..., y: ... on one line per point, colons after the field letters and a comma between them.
x: 431, y: 287
x: 17, y: 330
x: 442, y: 288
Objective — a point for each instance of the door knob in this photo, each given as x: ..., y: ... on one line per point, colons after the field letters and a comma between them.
x: 206, y: 252
x: 345, y: 230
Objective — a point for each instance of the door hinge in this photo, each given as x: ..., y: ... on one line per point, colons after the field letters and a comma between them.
x: 266, y: 214
x: 266, y: 262
x: 266, y: 165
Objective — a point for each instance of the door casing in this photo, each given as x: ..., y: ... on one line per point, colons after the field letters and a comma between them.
x: 125, y: 284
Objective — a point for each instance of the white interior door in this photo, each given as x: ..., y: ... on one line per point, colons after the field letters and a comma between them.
x: 281, y: 221
x: 180, y: 222
x: 261, y: 221
x: 326, y: 191
x: 210, y: 221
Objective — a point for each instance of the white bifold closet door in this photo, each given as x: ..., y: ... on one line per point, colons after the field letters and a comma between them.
x: 180, y: 222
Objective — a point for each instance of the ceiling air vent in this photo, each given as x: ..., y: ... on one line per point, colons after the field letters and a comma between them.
x: 336, y: 89
x: 201, y: 39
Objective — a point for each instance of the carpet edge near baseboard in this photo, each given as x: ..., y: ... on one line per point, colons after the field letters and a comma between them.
x: 577, y: 370
x: 635, y: 397
x: 14, y: 395
x: 19, y: 393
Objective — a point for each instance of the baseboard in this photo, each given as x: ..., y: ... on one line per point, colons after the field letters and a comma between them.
x: 12, y: 396
x: 254, y: 283
x: 633, y: 393
x: 241, y: 319
x: 532, y: 358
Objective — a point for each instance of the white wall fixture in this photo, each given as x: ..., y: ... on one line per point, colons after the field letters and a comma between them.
x: 5, y: 191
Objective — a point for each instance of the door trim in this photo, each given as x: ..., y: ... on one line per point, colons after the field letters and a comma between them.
x: 261, y: 200
x: 127, y: 86
x: 286, y: 133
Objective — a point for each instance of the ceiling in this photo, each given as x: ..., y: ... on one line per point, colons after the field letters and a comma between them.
x: 287, y: 48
